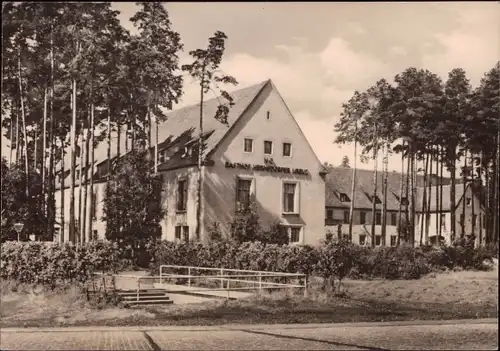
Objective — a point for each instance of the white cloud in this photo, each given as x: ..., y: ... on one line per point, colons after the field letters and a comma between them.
x: 397, y: 51
x: 348, y: 67
x: 475, y: 46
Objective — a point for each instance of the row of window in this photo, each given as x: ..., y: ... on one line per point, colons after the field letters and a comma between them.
x: 290, y: 194
x: 378, y: 240
x: 244, y: 192
x: 362, y: 217
x: 268, y: 147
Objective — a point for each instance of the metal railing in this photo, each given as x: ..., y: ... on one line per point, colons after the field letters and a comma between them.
x: 250, y: 279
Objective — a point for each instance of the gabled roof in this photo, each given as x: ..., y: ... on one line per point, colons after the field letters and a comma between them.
x: 339, y: 180
x: 182, y: 127
x: 459, y: 194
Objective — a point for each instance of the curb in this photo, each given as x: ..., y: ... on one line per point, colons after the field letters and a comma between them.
x: 251, y: 326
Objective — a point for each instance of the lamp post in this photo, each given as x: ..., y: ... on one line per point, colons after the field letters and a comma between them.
x: 19, y: 228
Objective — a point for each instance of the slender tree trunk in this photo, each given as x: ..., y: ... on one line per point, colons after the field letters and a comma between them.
x: 473, y: 191
x: 18, y: 143
x: 464, y: 180
x: 118, y: 139
x: 441, y: 169
x: 23, y: 116
x: 412, y: 196
x: 199, y: 209
x: 384, y: 201
x: 62, y: 194
x: 80, y: 185
x: 73, y: 165
x: 148, y: 139
x: 127, y: 133
x: 108, y: 177
x: 481, y: 198
x: 35, y: 148
x: 401, y: 187
x: 424, y: 200
x: 85, y: 185
x: 11, y: 134
x: 439, y: 195
x: 407, y: 206
x: 374, y: 194
x: 52, y: 138
x: 488, y: 203
x: 429, y: 197
x: 353, y: 183
x: 44, y: 148
x: 453, y: 207
x: 156, y: 145
x: 92, y: 161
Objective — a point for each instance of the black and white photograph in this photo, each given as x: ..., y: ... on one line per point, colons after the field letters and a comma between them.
x: 250, y: 175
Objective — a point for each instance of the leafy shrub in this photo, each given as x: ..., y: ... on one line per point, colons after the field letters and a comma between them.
x: 52, y: 264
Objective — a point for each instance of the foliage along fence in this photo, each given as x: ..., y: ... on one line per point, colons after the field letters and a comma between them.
x: 51, y: 264
x: 54, y: 264
x: 332, y: 260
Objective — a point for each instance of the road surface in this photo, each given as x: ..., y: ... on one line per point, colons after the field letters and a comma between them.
x: 452, y: 335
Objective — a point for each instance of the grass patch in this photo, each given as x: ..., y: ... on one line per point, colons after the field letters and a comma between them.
x: 452, y: 295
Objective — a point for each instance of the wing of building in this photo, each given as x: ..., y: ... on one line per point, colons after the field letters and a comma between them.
x: 338, y: 199
x: 261, y: 154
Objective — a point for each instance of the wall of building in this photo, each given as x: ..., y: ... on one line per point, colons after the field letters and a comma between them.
x: 98, y: 225
x: 220, y: 182
x: 174, y: 217
x: 468, y: 221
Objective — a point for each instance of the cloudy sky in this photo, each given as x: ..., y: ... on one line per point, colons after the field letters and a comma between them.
x: 317, y: 54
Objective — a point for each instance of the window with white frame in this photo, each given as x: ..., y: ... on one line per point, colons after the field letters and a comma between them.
x: 248, y: 145
x: 243, y: 191
x: 182, y: 189
x: 294, y: 234
x: 290, y: 197
x: 268, y: 147
x: 287, y: 149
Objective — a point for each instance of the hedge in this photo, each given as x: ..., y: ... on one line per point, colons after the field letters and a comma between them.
x: 332, y: 259
x: 51, y: 264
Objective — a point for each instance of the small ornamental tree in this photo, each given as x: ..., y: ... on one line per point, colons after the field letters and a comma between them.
x: 245, y: 224
x: 132, y: 207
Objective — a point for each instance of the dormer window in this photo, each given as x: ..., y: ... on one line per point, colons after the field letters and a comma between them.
x: 344, y: 198
x: 161, y: 156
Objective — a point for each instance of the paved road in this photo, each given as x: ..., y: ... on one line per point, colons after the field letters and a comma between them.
x: 458, y: 335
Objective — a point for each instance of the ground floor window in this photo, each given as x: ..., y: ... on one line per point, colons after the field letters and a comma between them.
x: 394, y: 240
x: 294, y: 234
x: 362, y: 239
x: 378, y: 240
x: 182, y: 232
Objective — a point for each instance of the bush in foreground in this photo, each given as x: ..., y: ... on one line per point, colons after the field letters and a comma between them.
x: 53, y: 264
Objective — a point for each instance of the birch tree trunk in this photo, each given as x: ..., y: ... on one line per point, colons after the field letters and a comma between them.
x: 353, y: 183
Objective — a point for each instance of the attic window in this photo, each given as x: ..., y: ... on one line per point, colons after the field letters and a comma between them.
x: 344, y: 198
x: 377, y: 200
x: 469, y: 201
x: 161, y: 156
x: 268, y: 115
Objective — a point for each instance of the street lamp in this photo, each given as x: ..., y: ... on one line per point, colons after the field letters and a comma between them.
x: 19, y: 228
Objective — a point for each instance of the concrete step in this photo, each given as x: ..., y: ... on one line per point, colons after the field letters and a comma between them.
x: 133, y: 294
x: 141, y: 298
x: 149, y: 302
